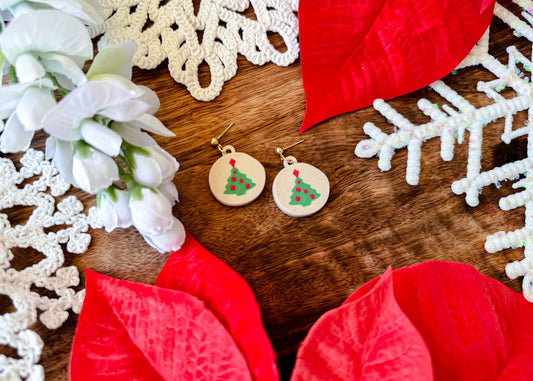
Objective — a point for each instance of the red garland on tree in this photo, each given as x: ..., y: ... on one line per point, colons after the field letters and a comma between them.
x: 302, y: 193
x: 238, y: 183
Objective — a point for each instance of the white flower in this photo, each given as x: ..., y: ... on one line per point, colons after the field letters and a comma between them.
x: 92, y: 170
x: 47, y: 41
x: 113, y: 61
x: 108, y: 94
x: 113, y: 65
x: 98, y: 99
x: 82, y: 165
x: 151, y: 212
x: 113, y: 209
x: 15, y: 137
x: 168, y: 189
x: 155, y: 168
x: 170, y: 240
x: 88, y: 11
x: 102, y: 117
x: 133, y: 135
x: 25, y: 105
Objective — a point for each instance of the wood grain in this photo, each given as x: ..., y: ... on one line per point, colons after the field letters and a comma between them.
x: 301, y: 267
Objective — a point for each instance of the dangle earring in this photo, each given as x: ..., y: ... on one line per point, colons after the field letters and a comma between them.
x: 236, y: 178
x: 299, y: 189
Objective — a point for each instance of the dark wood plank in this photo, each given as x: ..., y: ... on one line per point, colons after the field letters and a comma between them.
x: 300, y: 268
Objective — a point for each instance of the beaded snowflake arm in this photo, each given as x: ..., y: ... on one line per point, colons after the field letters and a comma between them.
x: 450, y: 123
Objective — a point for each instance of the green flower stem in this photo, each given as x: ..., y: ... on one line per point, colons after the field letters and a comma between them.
x: 134, y: 188
x: 63, y: 91
x: 121, y: 170
x: 105, y: 121
x: 129, y: 150
x: 111, y: 192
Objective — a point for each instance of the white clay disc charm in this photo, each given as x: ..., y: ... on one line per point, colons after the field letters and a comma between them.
x: 236, y: 178
x: 300, y: 189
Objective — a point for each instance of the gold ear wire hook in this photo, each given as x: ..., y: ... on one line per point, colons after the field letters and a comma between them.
x: 215, y: 141
x: 280, y: 150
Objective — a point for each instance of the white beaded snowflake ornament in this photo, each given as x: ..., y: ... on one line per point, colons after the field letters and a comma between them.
x: 49, y: 273
x: 219, y: 31
x: 450, y: 124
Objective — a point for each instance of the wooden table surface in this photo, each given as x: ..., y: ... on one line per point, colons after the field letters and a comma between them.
x: 301, y: 267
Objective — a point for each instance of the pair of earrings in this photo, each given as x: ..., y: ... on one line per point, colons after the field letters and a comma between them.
x: 237, y: 179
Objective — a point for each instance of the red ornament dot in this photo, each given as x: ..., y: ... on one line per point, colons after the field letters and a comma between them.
x: 241, y: 181
x: 297, y: 198
x: 305, y: 191
x: 232, y: 187
x: 298, y: 181
x: 298, y: 190
x: 247, y: 186
x: 312, y: 197
x: 234, y: 172
x: 233, y: 179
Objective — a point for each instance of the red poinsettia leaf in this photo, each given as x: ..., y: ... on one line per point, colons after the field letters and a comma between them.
x: 369, y: 338
x: 130, y: 331
x: 195, y: 270
x: 485, y: 5
x: 353, y: 52
x: 473, y: 327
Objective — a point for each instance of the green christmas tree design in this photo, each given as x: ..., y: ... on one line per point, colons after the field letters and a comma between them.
x: 238, y: 182
x: 302, y: 193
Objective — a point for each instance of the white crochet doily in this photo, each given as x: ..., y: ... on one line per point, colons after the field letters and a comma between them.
x: 49, y: 273
x: 215, y: 35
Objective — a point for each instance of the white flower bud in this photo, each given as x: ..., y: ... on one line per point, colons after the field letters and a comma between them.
x: 152, y: 214
x: 170, y: 240
x: 92, y: 170
x: 169, y: 190
x: 101, y: 137
x: 114, y: 210
x: 28, y: 68
x: 155, y: 169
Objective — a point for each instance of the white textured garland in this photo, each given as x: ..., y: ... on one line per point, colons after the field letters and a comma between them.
x: 450, y: 124
x: 172, y: 31
x: 50, y: 272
